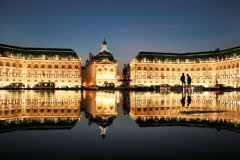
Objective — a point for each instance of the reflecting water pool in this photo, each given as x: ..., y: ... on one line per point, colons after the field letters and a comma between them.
x: 119, y: 125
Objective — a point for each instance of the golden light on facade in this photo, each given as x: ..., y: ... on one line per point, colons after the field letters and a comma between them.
x: 224, y: 108
x: 33, y: 65
x: 100, y: 69
x: 205, y: 68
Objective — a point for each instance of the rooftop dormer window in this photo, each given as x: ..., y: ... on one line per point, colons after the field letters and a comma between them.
x: 56, y: 57
x: 6, y: 54
x: 30, y: 56
x: 19, y: 55
x: 70, y: 57
x: 44, y: 57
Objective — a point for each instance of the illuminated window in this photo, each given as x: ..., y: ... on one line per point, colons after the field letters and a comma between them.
x: 63, y: 66
x: 139, y: 68
x: 56, y: 66
x: 43, y: 66
x: 76, y: 74
x: 29, y: 73
x: 69, y: 67
x: 76, y: 66
x: 29, y: 65
x: 49, y: 66
x: 35, y: 66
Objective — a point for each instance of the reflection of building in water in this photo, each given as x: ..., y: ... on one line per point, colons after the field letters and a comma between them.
x: 126, y: 102
x: 149, y: 109
x: 101, y: 108
x: 43, y: 109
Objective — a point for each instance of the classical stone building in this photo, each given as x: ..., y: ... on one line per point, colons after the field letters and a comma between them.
x: 101, y: 68
x: 33, y: 65
x: 205, y: 68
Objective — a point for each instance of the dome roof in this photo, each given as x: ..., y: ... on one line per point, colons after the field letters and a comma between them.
x: 103, y: 56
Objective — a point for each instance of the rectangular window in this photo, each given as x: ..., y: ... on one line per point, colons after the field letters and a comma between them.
x: 29, y: 73
x: 56, y: 73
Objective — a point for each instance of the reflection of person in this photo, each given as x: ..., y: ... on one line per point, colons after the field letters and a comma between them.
x: 189, y: 80
x: 183, y: 99
x: 189, y: 100
x: 183, y: 80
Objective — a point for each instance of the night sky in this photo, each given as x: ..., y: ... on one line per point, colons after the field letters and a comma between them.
x: 129, y: 26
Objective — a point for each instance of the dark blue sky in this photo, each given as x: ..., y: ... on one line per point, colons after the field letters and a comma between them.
x: 130, y: 26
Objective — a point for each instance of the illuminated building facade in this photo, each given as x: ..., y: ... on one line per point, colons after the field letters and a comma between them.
x: 100, y: 69
x: 33, y: 65
x: 205, y: 68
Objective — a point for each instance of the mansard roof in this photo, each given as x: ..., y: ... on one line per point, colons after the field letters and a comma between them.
x: 103, y: 56
x: 231, y: 52
x: 37, y: 52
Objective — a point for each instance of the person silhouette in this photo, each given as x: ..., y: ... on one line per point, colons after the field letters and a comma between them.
x: 183, y: 80
x: 189, y: 81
